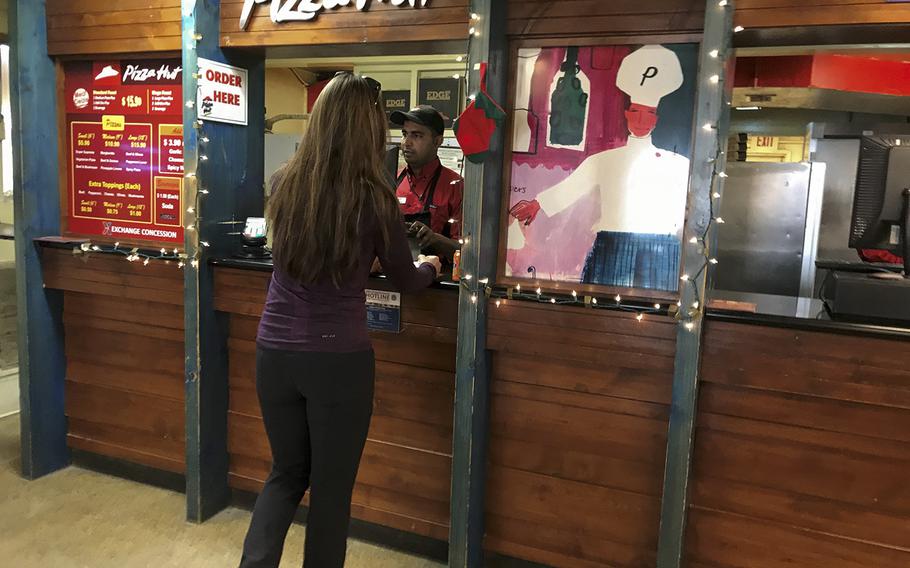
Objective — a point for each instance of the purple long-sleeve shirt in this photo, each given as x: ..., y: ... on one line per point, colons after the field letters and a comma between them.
x: 323, y: 317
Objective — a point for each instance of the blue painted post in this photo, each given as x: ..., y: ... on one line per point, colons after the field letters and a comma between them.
x: 232, y: 176
x: 42, y: 367
x: 708, y: 158
x: 483, y: 189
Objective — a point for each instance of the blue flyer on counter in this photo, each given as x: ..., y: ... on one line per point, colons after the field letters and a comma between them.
x: 383, y: 311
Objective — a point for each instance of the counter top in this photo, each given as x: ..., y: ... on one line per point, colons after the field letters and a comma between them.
x: 266, y: 266
x: 807, y: 314
x: 247, y: 264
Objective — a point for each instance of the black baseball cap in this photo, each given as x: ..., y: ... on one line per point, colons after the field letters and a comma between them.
x: 423, y: 114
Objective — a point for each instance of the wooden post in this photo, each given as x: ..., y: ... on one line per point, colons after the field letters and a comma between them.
x: 480, y: 228
x: 708, y: 158
x: 42, y: 367
x: 227, y: 162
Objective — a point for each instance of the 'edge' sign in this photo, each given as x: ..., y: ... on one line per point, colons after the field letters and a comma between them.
x: 306, y: 10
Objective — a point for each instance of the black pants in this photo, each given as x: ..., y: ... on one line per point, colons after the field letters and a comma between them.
x: 316, y: 408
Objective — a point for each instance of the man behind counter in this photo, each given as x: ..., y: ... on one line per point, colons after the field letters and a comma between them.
x: 429, y: 194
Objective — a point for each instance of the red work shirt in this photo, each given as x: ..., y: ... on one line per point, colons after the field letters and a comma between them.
x: 872, y: 255
x: 414, y: 190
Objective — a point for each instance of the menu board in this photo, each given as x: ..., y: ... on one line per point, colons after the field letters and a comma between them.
x: 124, y: 146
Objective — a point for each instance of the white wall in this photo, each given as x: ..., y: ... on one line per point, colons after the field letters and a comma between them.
x: 285, y: 94
x: 9, y: 392
x: 9, y: 376
x: 7, y: 253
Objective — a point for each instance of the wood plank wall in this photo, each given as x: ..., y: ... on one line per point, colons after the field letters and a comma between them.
x: 383, y: 23
x: 545, y: 18
x: 405, y: 473
x: 82, y: 27
x: 579, y: 416
x: 788, y: 13
x: 802, y: 450
x: 93, y: 27
x: 123, y: 324
x: 567, y: 18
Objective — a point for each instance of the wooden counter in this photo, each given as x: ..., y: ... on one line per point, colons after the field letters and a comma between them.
x: 580, y: 410
x: 802, y: 450
x: 802, y: 444
x: 405, y: 473
x: 123, y: 329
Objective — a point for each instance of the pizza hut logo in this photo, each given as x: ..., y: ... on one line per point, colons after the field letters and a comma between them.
x: 207, y: 105
x: 105, y: 74
x: 106, y: 228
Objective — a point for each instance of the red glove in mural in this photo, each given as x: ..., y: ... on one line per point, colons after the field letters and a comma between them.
x: 525, y: 211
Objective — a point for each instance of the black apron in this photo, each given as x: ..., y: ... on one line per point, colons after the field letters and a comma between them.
x: 424, y: 215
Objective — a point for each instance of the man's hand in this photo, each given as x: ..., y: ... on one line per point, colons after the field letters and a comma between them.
x: 432, y: 242
x: 525, y: 211
x: 424, y: 235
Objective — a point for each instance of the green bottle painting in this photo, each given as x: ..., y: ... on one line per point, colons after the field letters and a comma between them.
x: 568, y: 104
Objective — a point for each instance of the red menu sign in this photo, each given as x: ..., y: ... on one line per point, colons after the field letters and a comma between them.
x: 124, y: 141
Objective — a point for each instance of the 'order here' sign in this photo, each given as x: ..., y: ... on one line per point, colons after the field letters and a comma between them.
x: 222, y: 93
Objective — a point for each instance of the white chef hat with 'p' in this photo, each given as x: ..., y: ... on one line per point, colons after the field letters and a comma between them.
x: 648, y: 74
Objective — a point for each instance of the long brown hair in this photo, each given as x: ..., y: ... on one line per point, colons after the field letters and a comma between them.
x: 335, y: 179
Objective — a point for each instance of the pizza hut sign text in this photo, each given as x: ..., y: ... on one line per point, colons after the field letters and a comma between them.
x: 306, y: 10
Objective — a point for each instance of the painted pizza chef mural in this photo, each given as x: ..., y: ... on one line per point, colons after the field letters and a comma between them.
x: 600, y: 164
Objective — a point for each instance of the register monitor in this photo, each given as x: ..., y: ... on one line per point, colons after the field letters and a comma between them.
x: 881, y: 204
x: 881, y: 220
x: 391, y: 163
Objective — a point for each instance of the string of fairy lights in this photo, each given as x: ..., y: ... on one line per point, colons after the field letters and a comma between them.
x: 194, y: 245
x: 473, y: 32
x: 192, y: 189
x: 688, y: 316
x: 475, y: 288
x: 195, y: 190
x: 133, y: 254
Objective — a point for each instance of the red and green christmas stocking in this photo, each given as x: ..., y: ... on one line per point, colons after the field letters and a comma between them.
x: 475, y: 127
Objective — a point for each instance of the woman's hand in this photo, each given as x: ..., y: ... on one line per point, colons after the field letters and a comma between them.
x: 434, y: 260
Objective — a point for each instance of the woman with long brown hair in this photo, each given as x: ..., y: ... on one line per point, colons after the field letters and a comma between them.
x: 333, y: 211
